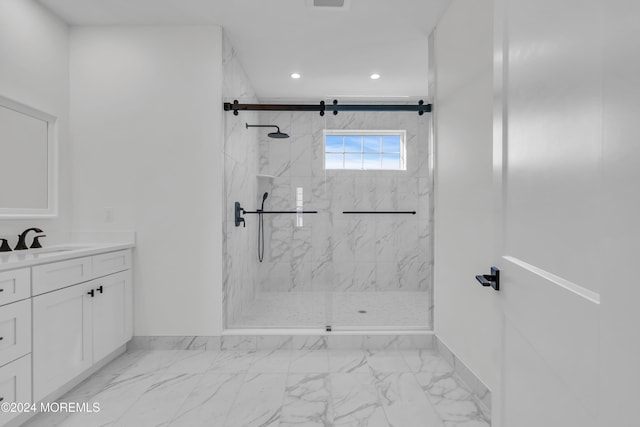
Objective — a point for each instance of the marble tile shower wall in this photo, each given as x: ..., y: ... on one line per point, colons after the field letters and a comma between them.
x: 346, y: 252
x: 241, y: 167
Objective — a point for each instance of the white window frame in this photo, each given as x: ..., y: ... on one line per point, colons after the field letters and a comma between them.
x: 366, y: 132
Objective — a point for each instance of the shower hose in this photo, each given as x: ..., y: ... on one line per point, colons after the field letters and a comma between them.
x: 260, y: 236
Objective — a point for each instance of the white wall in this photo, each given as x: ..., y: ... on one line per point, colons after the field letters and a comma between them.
x: 620, y: 293
x: 463, y: 188
x: 34, y: 70
x: 146, y: 114
x: 241, y: 168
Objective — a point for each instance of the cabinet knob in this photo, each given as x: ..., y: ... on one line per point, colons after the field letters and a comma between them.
x: 1, y: 290
x: 90, y: 293
x: 100, y: 288
x: 1, y: 399
x: 1, y: 338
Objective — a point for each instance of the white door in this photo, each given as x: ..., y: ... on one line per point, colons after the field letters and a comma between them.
x: 111, y: 314
x: 61, y: 337
x: 548, y: 146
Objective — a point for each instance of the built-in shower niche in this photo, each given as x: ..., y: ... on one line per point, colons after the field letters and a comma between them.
x: 349, y: 271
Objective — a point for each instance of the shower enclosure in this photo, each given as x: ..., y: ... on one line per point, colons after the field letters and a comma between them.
x: 351, y: 245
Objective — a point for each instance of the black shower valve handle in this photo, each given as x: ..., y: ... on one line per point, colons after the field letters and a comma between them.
x: 239, y: 211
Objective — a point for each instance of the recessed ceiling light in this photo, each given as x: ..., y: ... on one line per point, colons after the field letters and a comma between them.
x: 295, y: 75
x: 375, y: 76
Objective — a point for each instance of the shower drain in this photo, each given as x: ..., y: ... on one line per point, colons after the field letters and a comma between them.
x: 362, y: 311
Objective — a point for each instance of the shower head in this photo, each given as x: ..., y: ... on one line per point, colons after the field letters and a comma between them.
x: 277, y: 134
x: 264, y: 197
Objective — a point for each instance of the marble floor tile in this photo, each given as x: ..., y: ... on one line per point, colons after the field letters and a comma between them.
x: 467, y: 423
x: 348, y: 361
x: 192, y: 362
x: 46, y: 420
x: 426, y: 360
x: 309, y: 361
x: 210, y: 401
x: 386, y: 361
x: 160, y: 402
x: 355, y: 401
x: 114, y: 400
x: 271, y: 361
x: 259, y: 402
x: 452, y: 401
x: 122, y: 362
x: 404, y: 401
x: 89, y: 387
x: 279, y: 388
x: 307, y: 401
x: 153, y: 362
x: 232, y: 361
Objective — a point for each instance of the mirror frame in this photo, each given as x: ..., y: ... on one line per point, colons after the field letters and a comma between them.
x: 52, y: 164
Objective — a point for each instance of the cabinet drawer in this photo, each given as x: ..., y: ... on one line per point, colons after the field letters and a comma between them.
x: 111, y: 262
x: 15, y: 385
x: 49, y: 277
x: 15, y: 285
x: 15, y: 331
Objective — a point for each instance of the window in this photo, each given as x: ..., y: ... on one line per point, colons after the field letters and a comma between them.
x: 364, y: 149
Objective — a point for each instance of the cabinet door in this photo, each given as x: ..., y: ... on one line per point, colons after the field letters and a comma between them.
x: 15, y: 385
x: 111, y: 313
x: 61, y: 337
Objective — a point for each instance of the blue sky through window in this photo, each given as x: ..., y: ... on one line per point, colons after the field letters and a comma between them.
x: 365, y: 150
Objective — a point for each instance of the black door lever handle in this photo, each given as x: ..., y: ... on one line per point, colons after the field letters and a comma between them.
x: 492, y: 279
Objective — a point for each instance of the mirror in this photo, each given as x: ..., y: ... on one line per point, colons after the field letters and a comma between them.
x: 28, y: 161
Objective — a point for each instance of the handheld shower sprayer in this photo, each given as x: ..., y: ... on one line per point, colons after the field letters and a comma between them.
x: 261, y: 228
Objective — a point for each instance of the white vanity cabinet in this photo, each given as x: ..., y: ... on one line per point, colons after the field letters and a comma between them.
x: 61, y: 337
x: 15, y: 339
x: 75, y: 325
x: 112, y: 311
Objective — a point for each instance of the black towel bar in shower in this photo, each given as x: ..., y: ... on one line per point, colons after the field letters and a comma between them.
x: 279, y: 212
x: 239, y: 211
x: 380, y: 212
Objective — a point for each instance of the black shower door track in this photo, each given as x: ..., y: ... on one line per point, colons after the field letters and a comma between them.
x: 235, y: 106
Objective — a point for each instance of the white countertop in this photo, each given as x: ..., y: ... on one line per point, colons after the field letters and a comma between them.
x: 27, y: 258
x: 83, y: 244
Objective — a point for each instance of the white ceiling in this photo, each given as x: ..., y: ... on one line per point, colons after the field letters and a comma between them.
x: 334, y: 50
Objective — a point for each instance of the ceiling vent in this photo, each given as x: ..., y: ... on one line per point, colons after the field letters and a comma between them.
x: 328, y: 4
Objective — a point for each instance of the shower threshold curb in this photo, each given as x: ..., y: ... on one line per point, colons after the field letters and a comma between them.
x: 322, y: 332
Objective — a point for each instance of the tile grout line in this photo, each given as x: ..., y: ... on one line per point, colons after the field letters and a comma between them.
x: 415, y: 377
x: 202, y: 376
x: 237, y: 393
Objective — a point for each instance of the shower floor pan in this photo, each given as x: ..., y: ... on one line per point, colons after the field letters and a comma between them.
x: 357, y: 310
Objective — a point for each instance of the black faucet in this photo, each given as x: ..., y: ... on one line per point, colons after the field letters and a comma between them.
x: 4, y: 247
x: 22, y: 245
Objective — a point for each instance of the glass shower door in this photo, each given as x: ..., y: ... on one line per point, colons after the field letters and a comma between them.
x: 342, y: 209
x: 378, y: 182
x: 291, y: 280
